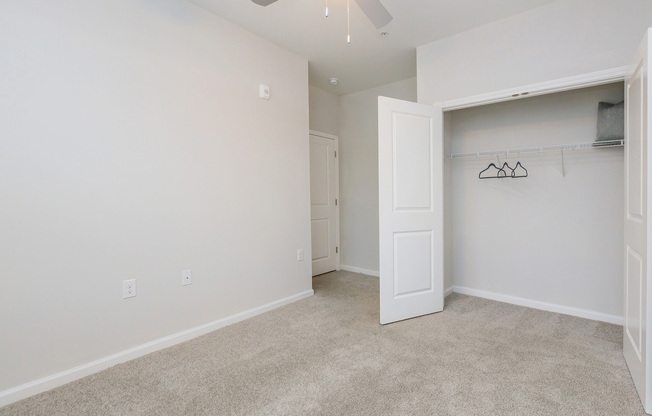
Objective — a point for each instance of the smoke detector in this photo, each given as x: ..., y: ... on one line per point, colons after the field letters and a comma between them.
x: 334, y: 81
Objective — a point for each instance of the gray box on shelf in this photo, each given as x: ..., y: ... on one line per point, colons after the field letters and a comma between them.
x: 611, y: 122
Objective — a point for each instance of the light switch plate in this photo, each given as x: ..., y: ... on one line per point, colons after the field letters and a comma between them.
x: 264, y: 91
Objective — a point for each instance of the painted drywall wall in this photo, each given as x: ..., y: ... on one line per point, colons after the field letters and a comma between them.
x: 324, y: 111
x: 358, y: 134
x: 134, y: 145
x: 562, y: 39
x: 548, y: 237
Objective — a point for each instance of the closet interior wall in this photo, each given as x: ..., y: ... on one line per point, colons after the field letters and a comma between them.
x: 548, y: 237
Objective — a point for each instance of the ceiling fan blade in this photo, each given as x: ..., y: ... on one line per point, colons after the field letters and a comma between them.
x: 263, y: 2
x: 375, y: 11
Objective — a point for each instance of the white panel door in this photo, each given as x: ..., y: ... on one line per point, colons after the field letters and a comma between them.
x: 636, y: 344
x: 410, y: 176
x: 323, y: 204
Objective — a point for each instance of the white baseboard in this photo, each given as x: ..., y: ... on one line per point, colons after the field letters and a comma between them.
x: 449, y: 291
x: 353, y: 269
x: 545, y: 306
x: 63, y: 377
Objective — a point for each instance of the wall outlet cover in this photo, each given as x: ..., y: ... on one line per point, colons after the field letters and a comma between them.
x: 128, y: 288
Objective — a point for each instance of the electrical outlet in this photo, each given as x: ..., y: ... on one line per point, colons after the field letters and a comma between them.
x: 128, y: 288
x: 186, y: 277
x: 300, y: 254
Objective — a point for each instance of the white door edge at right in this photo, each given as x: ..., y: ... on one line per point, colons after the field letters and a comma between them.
x: 636, y: 342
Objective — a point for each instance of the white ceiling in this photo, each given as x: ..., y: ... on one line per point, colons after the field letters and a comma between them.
x: 370, y: 60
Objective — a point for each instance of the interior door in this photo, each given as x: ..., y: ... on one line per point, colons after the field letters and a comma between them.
x: 636, y: 343
x: 410, y: 176
x: 323, y: 204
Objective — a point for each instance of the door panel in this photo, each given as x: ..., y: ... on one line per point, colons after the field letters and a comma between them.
x: 412, y: 141
x: 319, y: 173
x: 412, y: 263
x: 637, y: 237
x: 633, y: 291
x: 320, y: 239
x: 410, y: 176
x: 323, y: 208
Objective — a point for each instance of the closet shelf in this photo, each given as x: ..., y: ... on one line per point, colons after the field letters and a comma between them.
x: 540, y: 149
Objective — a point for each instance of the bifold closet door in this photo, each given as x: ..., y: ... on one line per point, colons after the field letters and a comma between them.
x: 636, y: 345
x: 410, y: 177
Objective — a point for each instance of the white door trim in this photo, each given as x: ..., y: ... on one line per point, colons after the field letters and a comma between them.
x: 337, y: 190
x: 324, y: 135
x: 542, y: 88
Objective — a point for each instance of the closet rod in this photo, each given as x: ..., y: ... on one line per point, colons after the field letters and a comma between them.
x: 540, y: 149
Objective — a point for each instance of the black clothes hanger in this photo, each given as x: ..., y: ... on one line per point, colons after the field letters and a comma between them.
x: 508, y: 170
x: 517, y: 171
x: 500, y: 172
x: 520, y: 173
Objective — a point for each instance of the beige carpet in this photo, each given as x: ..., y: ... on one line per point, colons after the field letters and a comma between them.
x: 327, y: 355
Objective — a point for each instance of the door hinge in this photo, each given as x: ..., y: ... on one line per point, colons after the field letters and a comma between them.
x: 336, y: 153
x: 336, y: 249
x: 335, y: 201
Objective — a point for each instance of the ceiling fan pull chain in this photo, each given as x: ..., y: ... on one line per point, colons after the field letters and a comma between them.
x: 348, y: 23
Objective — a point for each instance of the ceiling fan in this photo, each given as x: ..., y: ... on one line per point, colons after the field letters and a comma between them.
x: 375, y: 11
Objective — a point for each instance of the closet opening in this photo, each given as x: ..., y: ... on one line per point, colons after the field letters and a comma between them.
x: 548, y: 231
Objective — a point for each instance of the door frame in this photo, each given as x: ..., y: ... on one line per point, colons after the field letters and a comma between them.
x: 336, y: 141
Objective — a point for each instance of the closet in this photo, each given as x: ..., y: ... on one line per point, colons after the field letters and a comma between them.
x: 554, y: 239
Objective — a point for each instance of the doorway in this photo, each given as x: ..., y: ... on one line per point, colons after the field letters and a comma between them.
x: 324, y: 203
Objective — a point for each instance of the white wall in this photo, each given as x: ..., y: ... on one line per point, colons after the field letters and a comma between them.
x: 562, y: 39
x: 324, y: 111
x: 547, y: 237
x: 134, y: 145
x: 358, y: 134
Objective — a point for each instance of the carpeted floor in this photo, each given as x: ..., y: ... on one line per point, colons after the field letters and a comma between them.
x: 328, y: 355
